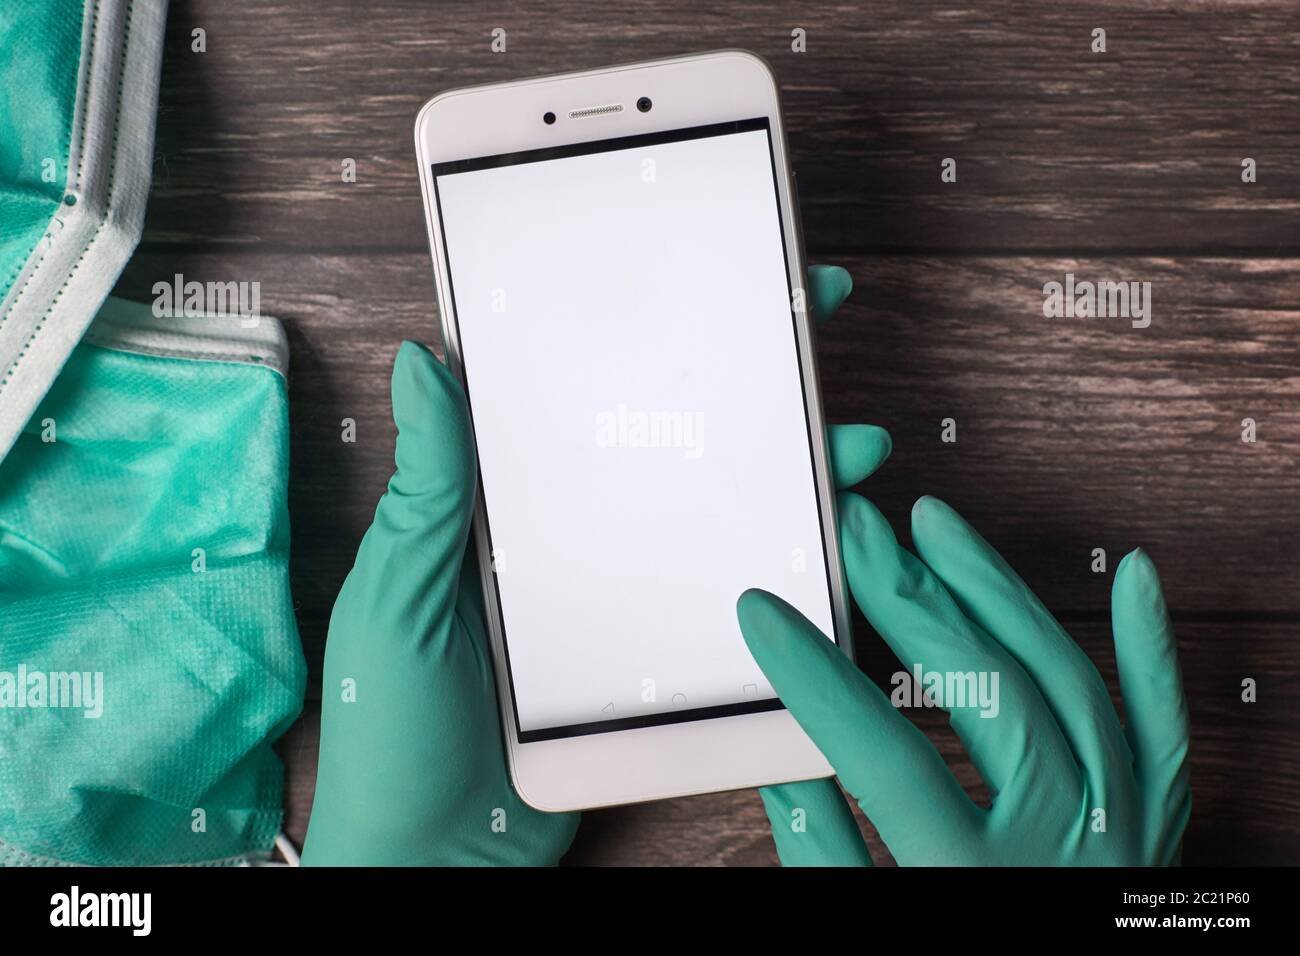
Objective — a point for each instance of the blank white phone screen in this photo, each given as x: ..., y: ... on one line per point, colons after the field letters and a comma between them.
x: 629, y: 350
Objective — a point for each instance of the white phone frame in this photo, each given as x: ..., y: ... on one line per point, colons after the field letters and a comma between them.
x: 677, y: 759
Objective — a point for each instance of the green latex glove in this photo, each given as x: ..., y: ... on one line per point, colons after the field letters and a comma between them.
x: 811, y: 823
x: 1053, y: 756
x: 413, y: 770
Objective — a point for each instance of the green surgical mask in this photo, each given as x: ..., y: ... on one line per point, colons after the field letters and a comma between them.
x: 148, y: 650
x: 80, y: 92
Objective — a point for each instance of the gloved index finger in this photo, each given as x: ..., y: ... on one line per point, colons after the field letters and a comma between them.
x: 992, y: 704
x: 991, y: 594
x: 856, y: 452
x: 828, y: 287
x: 1157, y: 724
x: 889, y: 766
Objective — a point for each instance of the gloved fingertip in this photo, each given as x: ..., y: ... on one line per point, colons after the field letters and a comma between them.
x: 752, y: 606
x: 764, y: 619
x: 829, y: 287
x: 857, y: 451
x: 1137, y: 573
x: 835, y: 279
x: 414, y: 357
x: 935, y: 523
x: 928, y: 508
x: 413, y: 369
x: 421, y: 383
x: 869, y: 437
x: 434, y: 444
x: 411, y: 347
x: 1138, y: 558
x: 884, y: 438
x: 862, y: 518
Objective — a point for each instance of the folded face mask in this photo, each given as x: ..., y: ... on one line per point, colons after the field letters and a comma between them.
x: 78, y: 97
x: 148, y: 650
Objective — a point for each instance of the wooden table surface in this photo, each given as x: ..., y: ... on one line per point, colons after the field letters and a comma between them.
x: 1073, y: 434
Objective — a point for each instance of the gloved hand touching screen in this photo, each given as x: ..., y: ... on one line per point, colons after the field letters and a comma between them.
x: 1069, y: 784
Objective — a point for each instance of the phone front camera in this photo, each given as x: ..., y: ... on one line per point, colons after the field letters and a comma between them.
x: 548, y: 118
x: 644, y: 104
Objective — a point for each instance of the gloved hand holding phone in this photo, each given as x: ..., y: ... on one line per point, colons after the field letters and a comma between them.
x: 412, y: 769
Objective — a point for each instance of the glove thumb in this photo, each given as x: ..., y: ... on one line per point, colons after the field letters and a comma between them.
x: 435, y: 447
x: 408, y: 565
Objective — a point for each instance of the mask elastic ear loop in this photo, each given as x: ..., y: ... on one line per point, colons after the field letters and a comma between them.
x: 287, y: 850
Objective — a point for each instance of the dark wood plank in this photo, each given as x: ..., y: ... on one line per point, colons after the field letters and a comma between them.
x: 1138, y: 149
x: 1072, y: 433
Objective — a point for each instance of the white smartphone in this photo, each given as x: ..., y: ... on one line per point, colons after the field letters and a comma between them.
x: 621, y: 284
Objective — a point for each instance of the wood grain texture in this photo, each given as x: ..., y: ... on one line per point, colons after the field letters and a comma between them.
x: 1058, y: 148
x: 1072, y: 433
